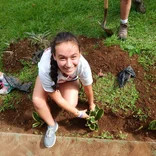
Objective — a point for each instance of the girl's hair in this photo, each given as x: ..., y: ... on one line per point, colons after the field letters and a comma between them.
x: 60, y: 38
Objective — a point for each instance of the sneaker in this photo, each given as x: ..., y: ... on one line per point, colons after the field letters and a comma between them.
x: 50, y: 137
x: 123, y: 31
x: 139, y: 6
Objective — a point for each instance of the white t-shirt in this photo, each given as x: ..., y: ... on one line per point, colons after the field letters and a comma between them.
x: 83, y: 72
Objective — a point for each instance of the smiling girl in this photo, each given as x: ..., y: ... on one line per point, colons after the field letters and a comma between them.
x: 60, y: 69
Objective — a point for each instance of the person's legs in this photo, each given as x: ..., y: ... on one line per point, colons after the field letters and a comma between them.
x: 125, y: 6
x: 41, y: 106
x: 40, y: 103
x: 69, y: 91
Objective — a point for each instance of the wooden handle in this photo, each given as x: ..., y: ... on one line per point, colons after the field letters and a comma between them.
x: 105, y: 4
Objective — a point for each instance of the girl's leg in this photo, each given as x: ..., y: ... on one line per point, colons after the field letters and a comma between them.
x: 69, y: 91
x: 40, y: 103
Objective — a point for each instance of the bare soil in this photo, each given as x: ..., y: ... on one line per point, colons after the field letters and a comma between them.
x: 100, y: 57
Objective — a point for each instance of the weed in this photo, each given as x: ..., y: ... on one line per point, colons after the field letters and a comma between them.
x: 139, y: 114
x: 121, y: 135
x: 105, y: 135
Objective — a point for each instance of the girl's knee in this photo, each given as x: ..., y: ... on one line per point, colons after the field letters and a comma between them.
x: 38, y: 103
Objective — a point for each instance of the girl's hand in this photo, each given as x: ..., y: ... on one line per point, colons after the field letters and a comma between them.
x: 83, y: 114
x: 92, y: 107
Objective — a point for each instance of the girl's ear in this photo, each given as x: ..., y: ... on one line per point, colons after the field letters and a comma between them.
x: 54, y: 56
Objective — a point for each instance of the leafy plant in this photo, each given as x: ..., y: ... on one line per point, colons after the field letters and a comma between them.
x: 152, y: 125
x: 39, y: 39
x: 94, y: 116
x: 38, y: 121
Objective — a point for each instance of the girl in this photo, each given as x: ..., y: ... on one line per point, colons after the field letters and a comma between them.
x: 59, y: 69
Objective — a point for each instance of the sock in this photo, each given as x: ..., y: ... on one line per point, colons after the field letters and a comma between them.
x: 124, y: 21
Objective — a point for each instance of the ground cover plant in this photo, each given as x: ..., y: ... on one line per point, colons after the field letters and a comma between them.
x: 33, y: 24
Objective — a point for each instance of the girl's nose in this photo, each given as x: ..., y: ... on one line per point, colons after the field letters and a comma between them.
x: 69, y: 63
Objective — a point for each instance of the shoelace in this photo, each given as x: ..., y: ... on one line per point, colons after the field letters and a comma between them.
x: 49, y: 132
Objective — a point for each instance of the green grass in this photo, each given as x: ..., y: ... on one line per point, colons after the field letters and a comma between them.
x: 18, y: 18
x: 81, y: 18
x: 9, y: 101
x: 121, y: 101
x: 111, y: 96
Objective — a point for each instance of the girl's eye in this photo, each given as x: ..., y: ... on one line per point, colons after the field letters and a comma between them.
x: 62, y: 59
x: 74, y: 57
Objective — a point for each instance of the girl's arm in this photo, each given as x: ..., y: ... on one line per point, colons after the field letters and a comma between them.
x: 89, y: 92
x: 57, y: 97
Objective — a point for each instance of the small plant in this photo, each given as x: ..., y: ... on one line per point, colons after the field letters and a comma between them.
x: 139, y: 114
x: 122, y: 136
x: 106, y: 135
x: 152, y: 125
x: 40, y: 39
x: 38, y: 121
x: 94, y: 116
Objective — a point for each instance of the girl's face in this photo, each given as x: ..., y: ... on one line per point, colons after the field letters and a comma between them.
x: 67, y: 56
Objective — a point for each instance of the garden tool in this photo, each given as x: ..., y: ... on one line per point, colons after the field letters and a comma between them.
x: 103, y: 25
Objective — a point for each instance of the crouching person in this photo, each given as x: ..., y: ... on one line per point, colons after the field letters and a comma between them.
x: 60, y: 69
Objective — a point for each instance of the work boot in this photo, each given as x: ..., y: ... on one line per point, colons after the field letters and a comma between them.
x: 123, y: 31
x: 139, y: 6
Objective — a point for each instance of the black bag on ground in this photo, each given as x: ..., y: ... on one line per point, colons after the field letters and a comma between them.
x: 125, y: 75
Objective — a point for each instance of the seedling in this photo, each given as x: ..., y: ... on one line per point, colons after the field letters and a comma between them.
x: 94, y: 116
x: 152, y: 125
x: 106, y: 135
x: 38, y: 121
x: 122, y: 136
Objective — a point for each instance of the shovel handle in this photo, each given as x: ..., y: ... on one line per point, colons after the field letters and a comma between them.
x: 105, y: 4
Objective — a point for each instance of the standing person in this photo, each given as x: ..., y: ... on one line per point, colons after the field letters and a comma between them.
x: 59, y: 69
x: 125, y: 6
